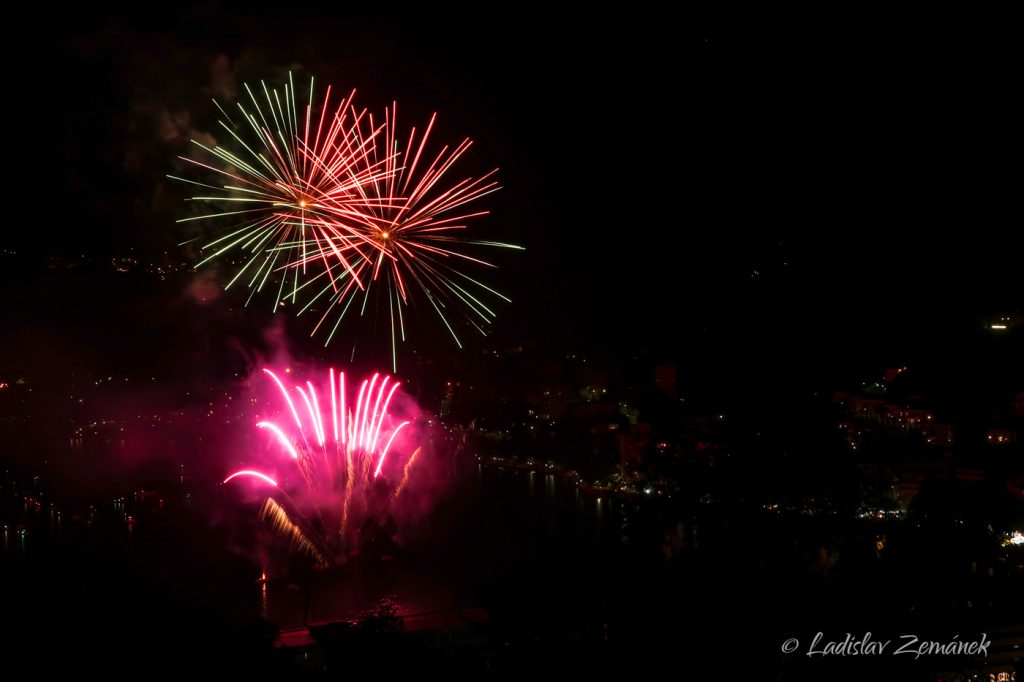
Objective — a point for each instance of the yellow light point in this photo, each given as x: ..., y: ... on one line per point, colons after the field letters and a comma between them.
x: 302, y: 203
x: 384, y: 235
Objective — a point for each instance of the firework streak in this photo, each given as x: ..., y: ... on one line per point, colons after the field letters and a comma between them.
x: 344, y: 451
x: 342, y: 214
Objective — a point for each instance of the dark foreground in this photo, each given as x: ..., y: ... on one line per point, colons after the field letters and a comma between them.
x: 513, y: 573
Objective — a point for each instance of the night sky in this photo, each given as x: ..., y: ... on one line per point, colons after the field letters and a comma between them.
x: 757, y: 191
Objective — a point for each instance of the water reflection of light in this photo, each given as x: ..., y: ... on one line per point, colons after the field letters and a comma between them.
x: 264, y: 599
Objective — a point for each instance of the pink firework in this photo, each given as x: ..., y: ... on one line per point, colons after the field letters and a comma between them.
x: 345, y: 448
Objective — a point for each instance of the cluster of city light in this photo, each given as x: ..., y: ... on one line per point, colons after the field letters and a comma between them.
x: 1016, y: 539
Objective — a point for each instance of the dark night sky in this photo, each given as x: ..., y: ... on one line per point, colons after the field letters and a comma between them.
x: 786, y: 191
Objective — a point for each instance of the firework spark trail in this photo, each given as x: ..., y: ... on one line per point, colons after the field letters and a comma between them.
x: 254, y: 474
x: 282, y: 523
x: 405, y: 474
x: 413, y: 222
x: 384, y: 452
x: 364, y: 436
x: 284, y: 392
x: 281, y: 437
